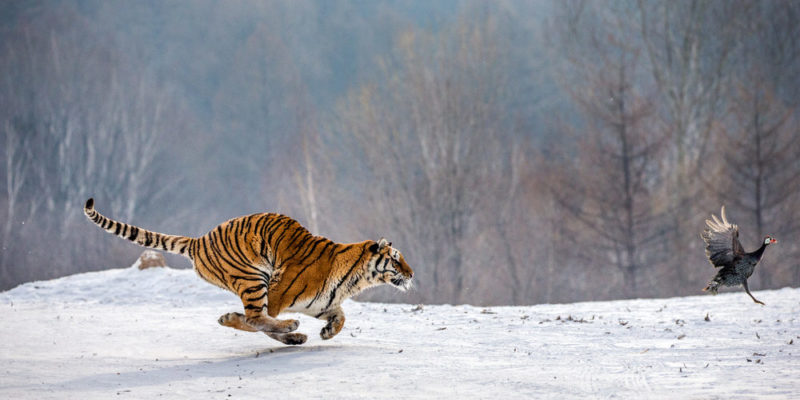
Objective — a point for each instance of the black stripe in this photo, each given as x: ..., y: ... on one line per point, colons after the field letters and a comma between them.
x: 254, y: 289
x: 134, y: 233
x: 344, y: 278
x: 324, y: 281
x: 270, y: 227
x: 271, y: 221
x: 259, y: 297
x: 148, y: 239
x: 222, y: 251
x: 279, y: 239
x: 295, y: 279
x: 300, y: 250
x: 263, y: 251
x: 208, y: 259
x: 308, y: 251
x: 237, y: 248
x: 247, y: 221
x: 328, y: 243
x: 279, y: 226
x: 274, y: 220
x: 267, y: 221
x: 215, y: 266
x: 298, y: 296
x: 354, y: 282
x: 255, y: 278
x: 343, y: 249
x: 298, y: 232
x: 260, y: 221
x: 119, y: 228
x: 239, y: 225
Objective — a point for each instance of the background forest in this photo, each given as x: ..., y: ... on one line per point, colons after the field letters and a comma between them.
x: 516, y: 152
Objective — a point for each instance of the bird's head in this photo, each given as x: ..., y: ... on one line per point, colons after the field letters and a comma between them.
x: 769, y: 240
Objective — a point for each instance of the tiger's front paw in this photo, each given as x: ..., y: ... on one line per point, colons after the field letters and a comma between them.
x: 236, y: 321
x: 226, y: 320
x: 329, y: 331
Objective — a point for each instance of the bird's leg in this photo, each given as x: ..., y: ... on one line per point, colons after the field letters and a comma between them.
x: 746, y: 289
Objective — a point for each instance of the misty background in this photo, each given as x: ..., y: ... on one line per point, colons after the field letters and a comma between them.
x: 515, y: 152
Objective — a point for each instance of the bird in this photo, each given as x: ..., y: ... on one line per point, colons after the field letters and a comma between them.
x: 724, y: 251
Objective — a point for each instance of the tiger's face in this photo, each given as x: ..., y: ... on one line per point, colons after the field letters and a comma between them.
x: 389, y: 266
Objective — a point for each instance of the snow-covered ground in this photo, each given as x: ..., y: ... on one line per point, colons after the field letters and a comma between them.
x: 145, y: 334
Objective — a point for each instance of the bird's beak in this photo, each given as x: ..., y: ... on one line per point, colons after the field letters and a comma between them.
x: 774, y: 240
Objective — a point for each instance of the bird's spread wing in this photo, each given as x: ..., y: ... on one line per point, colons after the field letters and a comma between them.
x: 722, y: 240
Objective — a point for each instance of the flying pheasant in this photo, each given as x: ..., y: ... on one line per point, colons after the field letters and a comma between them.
x: 724, y: 251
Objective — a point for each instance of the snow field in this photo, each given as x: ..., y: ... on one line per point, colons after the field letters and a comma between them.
x: 153, y: 334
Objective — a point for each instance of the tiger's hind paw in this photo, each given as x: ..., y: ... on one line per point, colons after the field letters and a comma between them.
x: 294, y: 338
x: 285, y: 326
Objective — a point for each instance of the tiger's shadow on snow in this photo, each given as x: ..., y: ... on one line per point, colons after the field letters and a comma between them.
x: 267, y: 362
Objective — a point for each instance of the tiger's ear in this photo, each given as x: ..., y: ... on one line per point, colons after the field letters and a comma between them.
x: 383, y: 243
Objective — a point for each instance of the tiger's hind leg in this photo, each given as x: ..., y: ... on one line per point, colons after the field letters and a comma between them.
x: 254, y: 299
x: 238, y: 321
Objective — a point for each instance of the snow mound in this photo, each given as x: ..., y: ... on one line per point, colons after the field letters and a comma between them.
x: 153, y: 333
x: 122, y: 286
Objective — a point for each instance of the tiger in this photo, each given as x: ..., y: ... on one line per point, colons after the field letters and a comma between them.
x: 276, y: 265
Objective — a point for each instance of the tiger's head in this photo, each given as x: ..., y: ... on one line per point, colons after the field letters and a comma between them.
x: 387, y: 265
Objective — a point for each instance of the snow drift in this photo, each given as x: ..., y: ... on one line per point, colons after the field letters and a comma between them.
x: 153, y: 333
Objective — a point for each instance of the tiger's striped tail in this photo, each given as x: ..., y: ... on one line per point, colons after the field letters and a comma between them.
x: 154, y: 240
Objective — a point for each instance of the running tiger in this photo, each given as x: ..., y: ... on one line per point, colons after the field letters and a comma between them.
x: 274, y: 265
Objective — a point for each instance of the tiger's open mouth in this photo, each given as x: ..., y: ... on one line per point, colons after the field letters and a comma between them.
x: 402, y: 283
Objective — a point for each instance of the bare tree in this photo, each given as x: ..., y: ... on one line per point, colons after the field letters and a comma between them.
x: 755, y: 163
x: 761, y: 159
x: 609, y: 189
x: 689, y: 45
x: 80, y: 124
x: 429, y: 137
x: 17, y: 160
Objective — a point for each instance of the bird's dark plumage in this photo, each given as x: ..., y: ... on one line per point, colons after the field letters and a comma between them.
x: 725, y: 252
